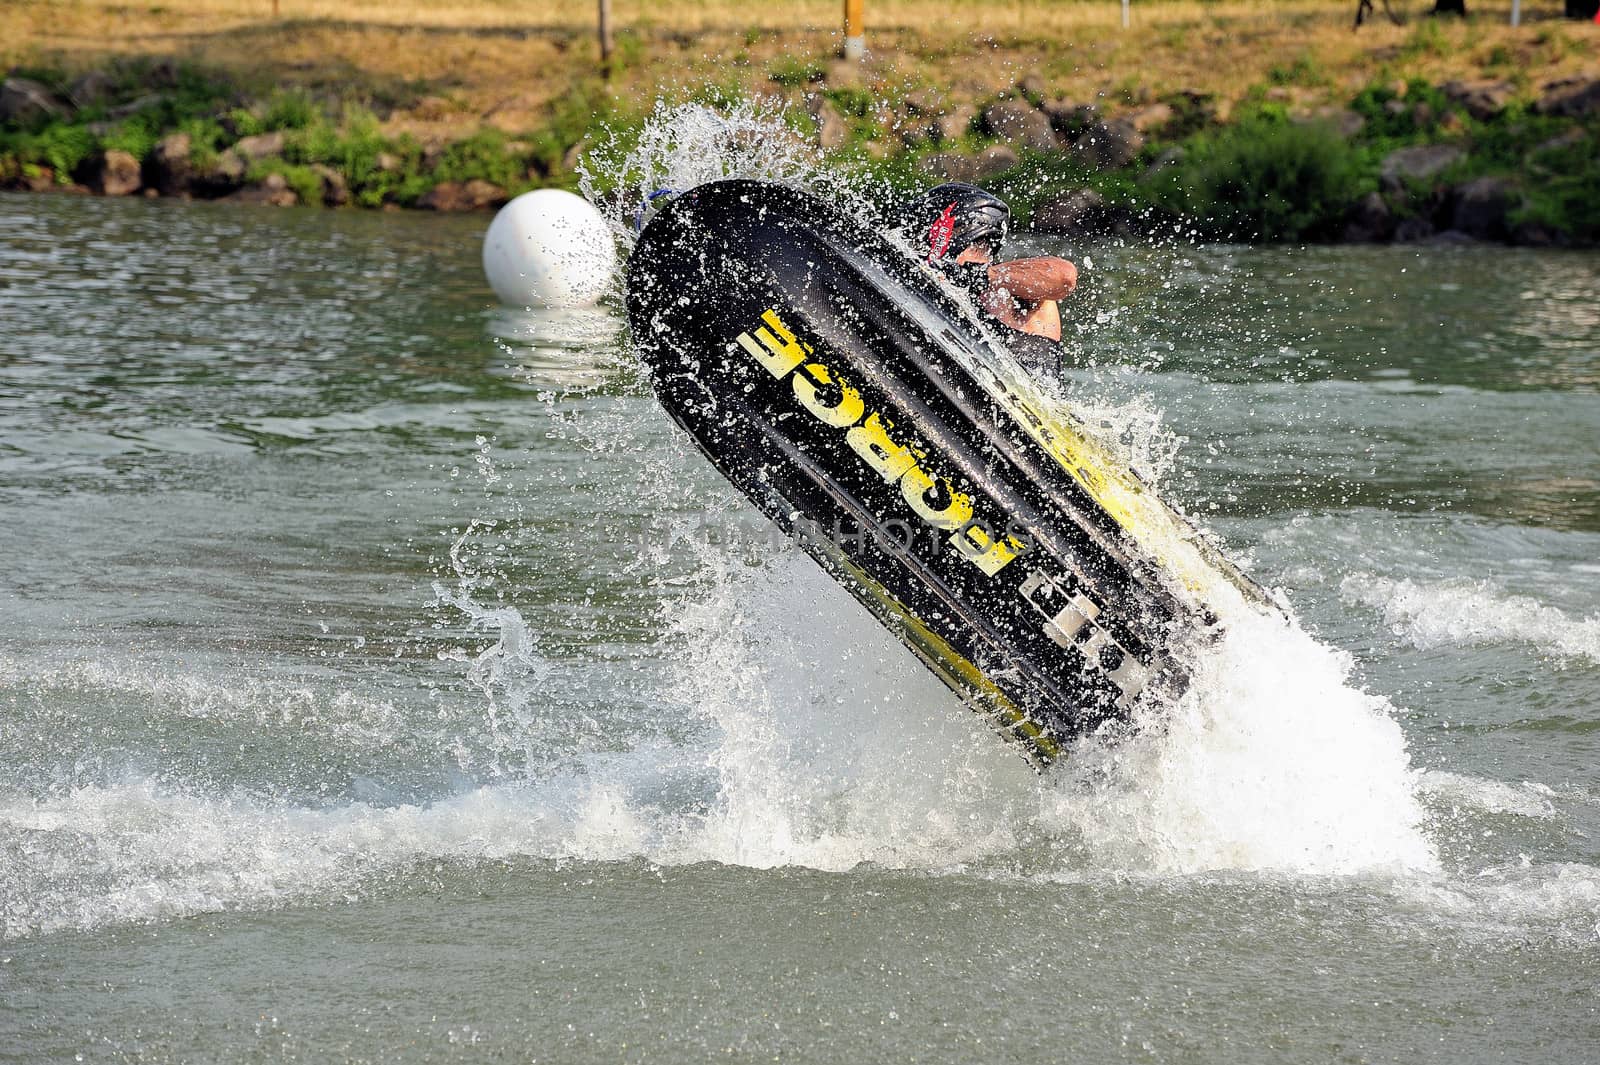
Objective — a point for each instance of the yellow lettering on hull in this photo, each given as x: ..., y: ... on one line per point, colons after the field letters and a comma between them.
x: 776, y: 349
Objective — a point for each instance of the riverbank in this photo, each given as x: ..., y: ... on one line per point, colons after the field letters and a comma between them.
x: 1245, y: 121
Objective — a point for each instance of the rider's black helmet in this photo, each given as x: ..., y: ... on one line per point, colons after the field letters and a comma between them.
x: 950, y: 218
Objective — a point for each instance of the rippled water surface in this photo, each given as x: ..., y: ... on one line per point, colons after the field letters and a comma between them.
x: 384, y: 678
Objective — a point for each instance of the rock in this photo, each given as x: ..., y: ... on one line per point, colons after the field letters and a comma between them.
x: 1396, y: 108
x: 388, y: 163
x: 25, y: 103
x: 1070, y: 119
x: 1146, y: 119
x: 1570, y: 98
x: 95, y: 87
x: 1019, y: 125
x: 335, y: 192
x: 1451, y: 122
x: 1482, y: 99
x: 1411, y: 230
x: 167, y: 168
x: 1537, y: 235
x: 1032, y: 88
x: 1108, y: 145
x: 272, y: 190
x: 956, y: 124
x: 221, y: 178
x: 134, y: 106
x: 993, y: 160
x: 1562, y: 141
x: 922, y: 103
x: 919, y: 134
x: 1415, y: 164
x: 261, y: 146
x: 1481, y: 207
x: 474, y: 195
x: 42, y: 179
x: 832, y: 130
x: 1080, y: 213
x: 951, y: 166
x: 1421, y: 114
x: 1370, y: 220
x: 1343, y: 121
x: 947, y: 166
x: 111, y: 173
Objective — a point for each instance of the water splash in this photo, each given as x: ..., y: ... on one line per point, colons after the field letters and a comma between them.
x: 1463, y: 613
x: 685, y: 145
x: 1271, y: 761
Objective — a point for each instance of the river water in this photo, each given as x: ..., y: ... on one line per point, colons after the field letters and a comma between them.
x: 384, y: 678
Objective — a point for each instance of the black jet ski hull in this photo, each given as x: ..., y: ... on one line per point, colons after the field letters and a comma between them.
x: 845, y: 391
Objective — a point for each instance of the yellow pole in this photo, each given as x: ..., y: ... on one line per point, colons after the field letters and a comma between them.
x: 855, y: 40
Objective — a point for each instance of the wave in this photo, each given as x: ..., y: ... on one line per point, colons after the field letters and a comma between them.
x: 1465, y: 613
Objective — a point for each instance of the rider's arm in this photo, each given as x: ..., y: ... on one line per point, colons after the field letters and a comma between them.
x: 1032, y: 280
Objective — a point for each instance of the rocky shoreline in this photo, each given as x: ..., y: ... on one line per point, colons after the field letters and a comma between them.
x: 1404, y: 161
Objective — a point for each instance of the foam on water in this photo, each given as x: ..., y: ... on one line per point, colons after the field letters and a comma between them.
x: 1466, y: 612
x: 347, y: 718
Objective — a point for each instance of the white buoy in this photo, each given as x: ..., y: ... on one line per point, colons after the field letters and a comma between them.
x: 549, y: 248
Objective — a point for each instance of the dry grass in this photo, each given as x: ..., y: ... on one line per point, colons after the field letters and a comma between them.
x: 508, y: 63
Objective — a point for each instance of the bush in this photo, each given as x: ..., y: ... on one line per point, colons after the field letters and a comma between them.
x: 483, y: 155
x: 60, y: 147
x: 306, y: 183
x: 1266, y: 180
x: 289, y: 110
x: 1395, y: 130
x: 1563, y: 196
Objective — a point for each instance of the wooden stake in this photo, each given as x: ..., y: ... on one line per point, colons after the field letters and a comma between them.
x: 855, y: 39
x: 605, y: 38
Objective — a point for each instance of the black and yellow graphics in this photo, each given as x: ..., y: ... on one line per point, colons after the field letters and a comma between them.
x: 777, y: 349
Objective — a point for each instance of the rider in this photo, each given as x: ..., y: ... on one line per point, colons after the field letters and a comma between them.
x: 959, y: 228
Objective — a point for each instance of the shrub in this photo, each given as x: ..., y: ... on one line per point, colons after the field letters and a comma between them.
x: 289, y: 110
x: 1266, y: 180
x: 306, y: 183
x: 61, y: 147
x: 482, y: 155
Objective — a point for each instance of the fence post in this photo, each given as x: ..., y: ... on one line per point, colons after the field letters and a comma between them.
x: 855, y: 40
x: 605, y: 38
